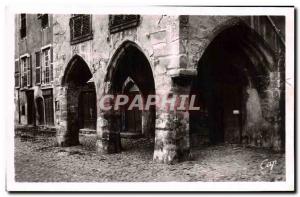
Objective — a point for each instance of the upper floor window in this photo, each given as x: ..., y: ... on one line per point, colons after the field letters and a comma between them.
x: 44, y: 20
x: 25, y: 71
x: 38, y: 67
x: 119, y: 23
x: 47, y: 65
x: 23, y: 26
x: 80, y: 28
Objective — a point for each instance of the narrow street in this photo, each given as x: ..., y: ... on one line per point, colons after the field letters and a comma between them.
x: 37, y: 159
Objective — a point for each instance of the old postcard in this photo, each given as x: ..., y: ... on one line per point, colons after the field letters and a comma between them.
x: 151, y: 99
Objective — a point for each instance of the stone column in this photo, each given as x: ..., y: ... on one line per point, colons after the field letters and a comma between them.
x: 61, y: 134
x: 172, y: 143
x: 108, y: 132
x: 108, y: 125
x: 66, y: 134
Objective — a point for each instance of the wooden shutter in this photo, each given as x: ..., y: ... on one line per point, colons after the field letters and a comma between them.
x: 86, y: 25
x: 17, y: 74
x: 119, y: 23
x: 51, y: 64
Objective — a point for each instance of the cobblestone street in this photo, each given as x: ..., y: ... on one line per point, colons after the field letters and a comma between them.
x: 37, y: 159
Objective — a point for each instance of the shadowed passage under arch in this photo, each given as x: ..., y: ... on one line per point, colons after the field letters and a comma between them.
x: 128, y: 63
x: 80, y: 100
x: 232, y: 90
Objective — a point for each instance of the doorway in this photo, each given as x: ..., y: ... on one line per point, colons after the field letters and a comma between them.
x: 30, y: 107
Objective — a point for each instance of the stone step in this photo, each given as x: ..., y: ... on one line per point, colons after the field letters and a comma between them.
x: 131, y: 135
x: 87, y: 131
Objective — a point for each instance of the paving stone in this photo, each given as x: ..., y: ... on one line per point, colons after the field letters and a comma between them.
x: 42, y: 161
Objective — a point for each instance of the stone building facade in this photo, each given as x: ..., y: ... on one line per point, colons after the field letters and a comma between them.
x: 234, y: 65
x: 34, y: 70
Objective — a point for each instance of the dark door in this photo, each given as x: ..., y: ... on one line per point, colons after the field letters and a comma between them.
x: 87, y: 109
x: 232, y: 113
x: 30, y: 108
x: 40, y: 109
x: 133, y: 120
x: 49, y: 112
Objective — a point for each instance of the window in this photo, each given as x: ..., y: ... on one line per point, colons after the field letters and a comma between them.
x: 80, y: 28
x: 23, y: 26
x: 119, y: 23
x: 56, y: 105
x: 44, y: 20
x: 17, y: 74
x: 24, y: 66
x: 37, y: 68
x: 26, y: 71
x: 47, y: 66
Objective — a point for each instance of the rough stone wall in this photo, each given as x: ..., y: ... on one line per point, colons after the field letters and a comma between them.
x: 35, y: 39
x: 156, y: 36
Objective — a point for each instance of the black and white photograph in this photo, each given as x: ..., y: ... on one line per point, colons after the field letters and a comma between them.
x: 151, y: 99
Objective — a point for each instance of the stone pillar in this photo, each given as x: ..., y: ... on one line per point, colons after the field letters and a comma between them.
x: 148, y: 125
x: 273, y: 116
x: 172, y: 140
x: 108, y: 125
x: 66, y: 135
x: 108, y: 132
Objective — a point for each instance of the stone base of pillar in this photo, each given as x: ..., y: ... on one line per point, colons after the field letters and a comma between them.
x: 171, y: 139
x: 109, y: 145
x: 170, y: 156
x: 64, y: 140
x: 166, y: 151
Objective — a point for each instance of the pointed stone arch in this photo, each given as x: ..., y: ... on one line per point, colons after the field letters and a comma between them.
x: 237, y: 56
x: 77, y: 95
x: 72, y: 69
x: 128, y: 61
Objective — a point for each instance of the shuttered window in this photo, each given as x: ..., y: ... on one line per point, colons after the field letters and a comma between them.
x: 119, y: 23
x: 81, y: 28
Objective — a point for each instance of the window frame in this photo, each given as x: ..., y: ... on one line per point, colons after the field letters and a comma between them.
x: 24, y: 61
x: 49, y: 66
x: 38, y: 66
